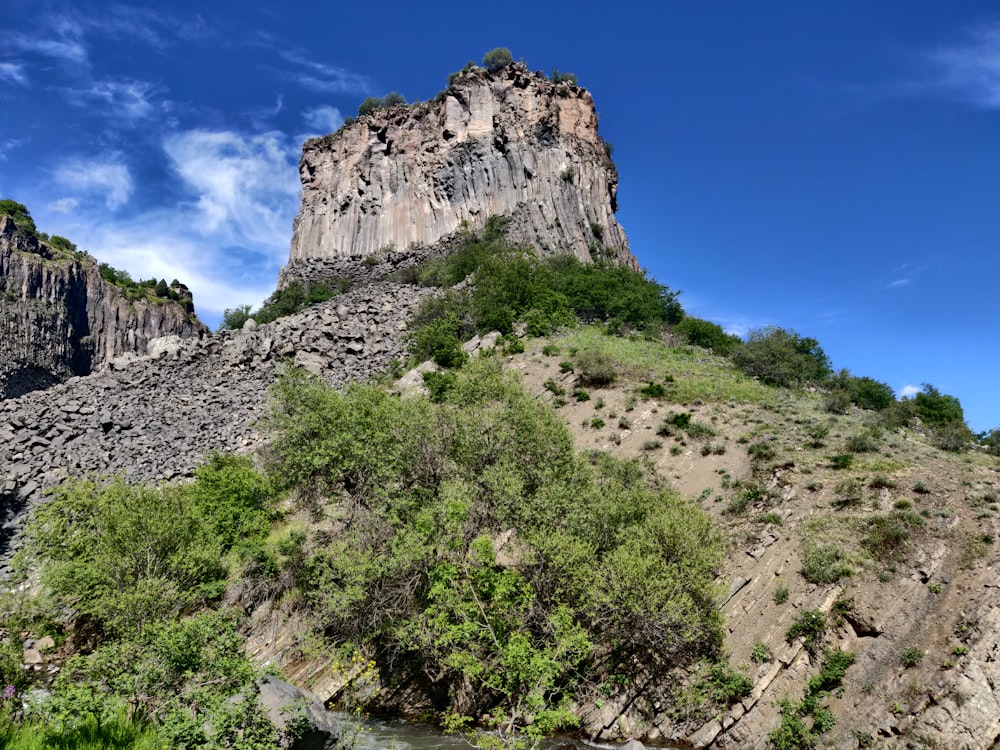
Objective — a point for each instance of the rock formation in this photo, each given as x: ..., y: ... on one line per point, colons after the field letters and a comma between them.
x: 509, y: 143
x: 155, y: 416
x: 60, y: 318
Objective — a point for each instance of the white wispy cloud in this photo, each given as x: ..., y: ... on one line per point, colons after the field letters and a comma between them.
x: 14, y: 73
x: 318, y: 76
x: 898, y: 283
x: 60, y: 38
x: 227, y: 234
x: 126, y: 98
x: 64, y: 205
x: 908, y: 391
x: 103, y: 177
x: 322, y: 120
x: 9, y: 145
x: 970, y: 69
x: 241, y: 185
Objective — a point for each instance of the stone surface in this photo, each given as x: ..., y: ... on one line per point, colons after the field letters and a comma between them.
x: 154, y: 418
x: 509, y: 143
x: 59, y: 318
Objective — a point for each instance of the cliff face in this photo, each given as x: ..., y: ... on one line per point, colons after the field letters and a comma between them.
x: 508, y: 143
x: 60, y: 318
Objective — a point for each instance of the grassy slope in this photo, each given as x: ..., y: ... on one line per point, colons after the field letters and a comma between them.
x: 919, y: 594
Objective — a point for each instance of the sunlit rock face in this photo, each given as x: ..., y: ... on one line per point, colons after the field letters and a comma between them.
x: 509, y: 143
x: 60, y: 318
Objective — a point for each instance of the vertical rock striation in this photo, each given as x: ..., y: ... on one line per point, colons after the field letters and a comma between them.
x: 60, y: 318
x: 509, y: 143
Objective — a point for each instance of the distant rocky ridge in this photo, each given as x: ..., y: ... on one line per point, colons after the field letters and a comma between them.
x: 157, y: 416
x: 59, y: 318
x: 508, y: 143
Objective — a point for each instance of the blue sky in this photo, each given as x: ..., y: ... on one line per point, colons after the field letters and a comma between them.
x: 830, y: 167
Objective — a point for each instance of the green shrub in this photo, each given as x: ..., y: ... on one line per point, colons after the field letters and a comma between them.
x: 781, y: 593
x: 439, y: 341
x: 885, y: 538
x: 20, y: 214
x: 550, y: 350
x: 822, y: 564
x: 880, y: 482
x: 912, y: 656
x: 811, y: 626
x: 422, y: 488
x: 761, y: 451
x: 726, y: 685
x: 936, y: 408
x: 841, y: 461
x: 761, y: 653
x: 127, y: 555
x: 865, y: 441
x: 497, y: 59
x: 653, y: 390
x: 595, y: 368
x: 554, y: 388
x: 652, y: 445
x: 707, y: 335
x: 849, y: 492
x: 782, y: 357
x: 563, y: 77
x: 438, y: 384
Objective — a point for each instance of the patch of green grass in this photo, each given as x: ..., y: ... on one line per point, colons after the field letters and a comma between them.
x: 696, y: 373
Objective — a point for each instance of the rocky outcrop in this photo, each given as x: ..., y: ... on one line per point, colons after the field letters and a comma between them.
x: 155, y: 417
x: 509, y: 143
x: 60, y: 318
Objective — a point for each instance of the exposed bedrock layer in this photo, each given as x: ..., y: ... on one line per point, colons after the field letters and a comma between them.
x: 60, y: 318
x: 510, y: 143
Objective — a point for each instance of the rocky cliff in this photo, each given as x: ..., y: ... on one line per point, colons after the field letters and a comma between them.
x: 60, y: 318
x: 508, y: 143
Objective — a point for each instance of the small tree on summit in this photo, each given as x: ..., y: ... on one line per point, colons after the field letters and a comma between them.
x: 497, y: 59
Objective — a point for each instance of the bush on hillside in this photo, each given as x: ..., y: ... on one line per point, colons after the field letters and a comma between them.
x: 936, y: 408
x: 20, y: 214
x: 497, y: 59
x: 782, y: 357
x: 706, y: 334
x: 594, y: 559
x: 510, y: 284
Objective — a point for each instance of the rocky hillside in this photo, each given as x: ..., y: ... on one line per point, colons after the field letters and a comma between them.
x: 890, y: 550
x: 154, y: 416
x: 59, y: 317
x: 508, y: 143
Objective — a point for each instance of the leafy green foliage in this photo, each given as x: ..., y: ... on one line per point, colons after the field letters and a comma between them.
x: 142, y: 289
x: 912, y: 656
x: 811, y: 626
x: 706, y: 334
x: 864, y: 392
x: 822, y: 564
x: 20, y: 214
x: 373, y: 103
x: 124, y: 555
x: 511, y: 284
x: 936, y: 408
x: 497, y: 59
x: 293, y: 298
x: 440, y: 341
x: 563, y: 77
x: 178, y: 676
x: 595, y: 368
x: 802, y: 722
x: 477, y: 545
x: 782, y: 357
